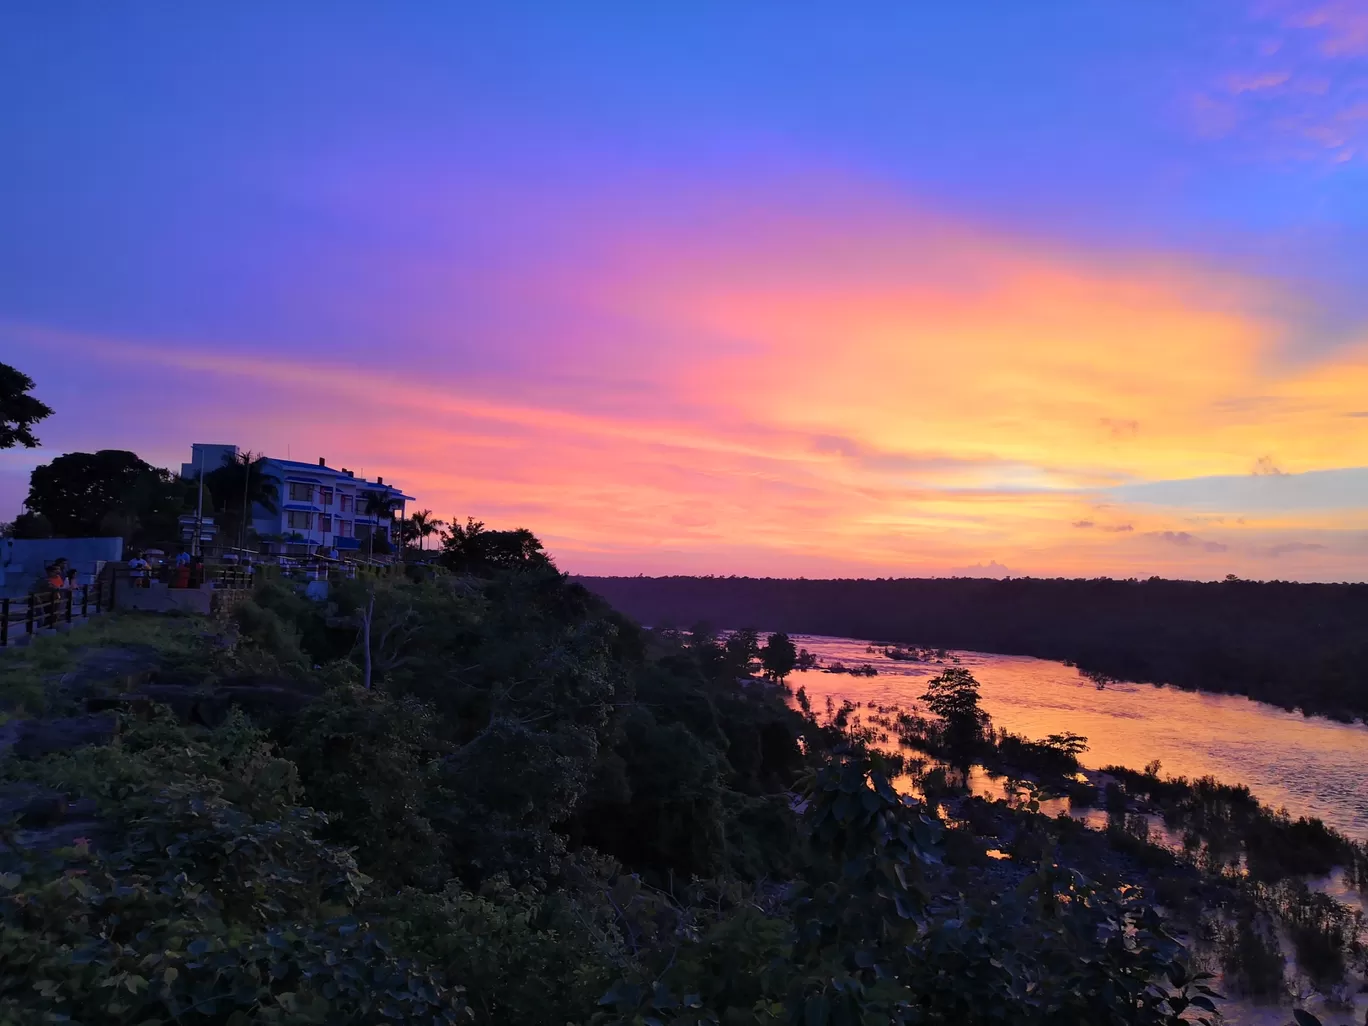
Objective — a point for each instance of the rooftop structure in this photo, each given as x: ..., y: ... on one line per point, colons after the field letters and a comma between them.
x: 317, y: 505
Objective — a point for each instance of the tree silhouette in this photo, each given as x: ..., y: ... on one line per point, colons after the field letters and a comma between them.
x: 238, y: 485
x: 19, y: 411
x: 425, y: 525
x: 79, y: 491
x: 954, y: 697
x: 741, y: 647
x: 471, y: 549
x: 778, y: 657
x: 382, y: 506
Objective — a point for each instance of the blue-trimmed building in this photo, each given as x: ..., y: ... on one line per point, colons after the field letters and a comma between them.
x: 317, y: 506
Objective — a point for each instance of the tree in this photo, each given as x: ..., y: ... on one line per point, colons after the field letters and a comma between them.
x: 954, y: 697
x: 425, y: 525
x: 472, y: 549
x: 382, y: 633
x: 382, y: 506
x: 153, y: 505
x: 19, y: 411
x: 1068, y: 743
x: 742, y: 646
x: 408, y: 533
x: 779, y: 656
x: 76, y: 492
x: 236, y: 487
x: 31, y: 525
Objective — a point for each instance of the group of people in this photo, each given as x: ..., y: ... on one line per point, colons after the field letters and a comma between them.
x: 62, y: 576
x: 185, y: 569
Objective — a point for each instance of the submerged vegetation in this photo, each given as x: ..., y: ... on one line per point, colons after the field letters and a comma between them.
x: 1231, y: 873
x: 531, y: 789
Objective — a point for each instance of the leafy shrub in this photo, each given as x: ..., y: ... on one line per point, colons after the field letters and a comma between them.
x: 502, y: 941
x: 198, y: 912
x: 366, y: 759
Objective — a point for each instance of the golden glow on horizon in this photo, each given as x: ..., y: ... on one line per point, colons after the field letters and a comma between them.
x: 868, y: 396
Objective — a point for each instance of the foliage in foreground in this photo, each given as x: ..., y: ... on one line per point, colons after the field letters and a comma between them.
x: 537, y: 790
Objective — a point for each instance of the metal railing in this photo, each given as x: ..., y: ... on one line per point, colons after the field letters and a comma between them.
x: 45, y: 609
x: 218, y: 575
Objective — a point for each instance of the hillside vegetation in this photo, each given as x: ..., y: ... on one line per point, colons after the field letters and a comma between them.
x: 538, y: 814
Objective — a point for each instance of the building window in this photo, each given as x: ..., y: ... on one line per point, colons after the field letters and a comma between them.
x: 346, y: 503
x: 324, y: 522
x: 301, y: 492
x: 343, y: 529
x: 325, y: 496
x: 297, y: 521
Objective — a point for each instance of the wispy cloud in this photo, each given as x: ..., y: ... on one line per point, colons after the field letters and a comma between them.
x: 1284, y: 548
x: 1340, y: 25
x: 1301, y: 92
x: 1343, y: 489
x: 1237, y: 84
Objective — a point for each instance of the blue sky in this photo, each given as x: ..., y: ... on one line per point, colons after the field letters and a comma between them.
x: 530, y: 206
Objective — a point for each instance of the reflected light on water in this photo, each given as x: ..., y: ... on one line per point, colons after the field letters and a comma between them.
x: 1308, y: 765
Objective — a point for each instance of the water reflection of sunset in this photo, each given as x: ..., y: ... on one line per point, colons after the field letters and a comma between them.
x: 1311, y: 766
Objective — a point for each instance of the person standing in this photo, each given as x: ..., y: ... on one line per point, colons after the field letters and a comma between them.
x: 180, y: 577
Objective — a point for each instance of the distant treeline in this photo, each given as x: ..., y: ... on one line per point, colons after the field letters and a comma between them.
x: 1299, y: 646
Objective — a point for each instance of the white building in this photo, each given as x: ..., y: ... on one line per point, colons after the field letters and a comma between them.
x: 316, y: 505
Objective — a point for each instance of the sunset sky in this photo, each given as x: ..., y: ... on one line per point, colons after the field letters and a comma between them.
x: 889, y: 289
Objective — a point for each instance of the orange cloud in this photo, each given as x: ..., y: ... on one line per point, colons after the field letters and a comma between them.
x: 863, y: 391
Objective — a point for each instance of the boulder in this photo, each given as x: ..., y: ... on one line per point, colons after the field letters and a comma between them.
x: 136, y: 704
x: 46, y: 819
x: 37, y: 738
x: 266, y: 705
x: 31, y: 806
x: 126, y: 667
x: 198, y: 705
x: 275, y: 682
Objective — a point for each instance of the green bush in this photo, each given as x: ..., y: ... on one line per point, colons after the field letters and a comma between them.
x: 198, y: 911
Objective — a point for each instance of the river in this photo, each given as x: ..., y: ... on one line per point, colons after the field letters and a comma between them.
x: 1308, y: 765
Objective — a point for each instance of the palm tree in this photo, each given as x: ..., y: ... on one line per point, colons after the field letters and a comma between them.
x: 425, y: 525
x: 240, y: 484
x: 382, y: 506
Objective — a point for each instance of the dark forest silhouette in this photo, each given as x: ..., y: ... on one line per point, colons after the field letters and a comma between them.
x: 1299, y: 646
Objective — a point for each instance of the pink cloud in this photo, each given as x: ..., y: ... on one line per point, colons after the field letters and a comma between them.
x: 831, y: 381
x: 1294, y: 97
x: 1237, y: 84
x: 1341, y: 24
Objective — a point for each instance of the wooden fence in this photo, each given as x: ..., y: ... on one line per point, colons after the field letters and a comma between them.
x: 45, y: 610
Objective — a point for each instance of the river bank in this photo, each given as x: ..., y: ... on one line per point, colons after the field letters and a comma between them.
x: 1271, y: 903
x: 1309, y: 765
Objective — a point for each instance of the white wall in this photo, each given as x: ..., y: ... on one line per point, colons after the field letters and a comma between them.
x: 23, y: 559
